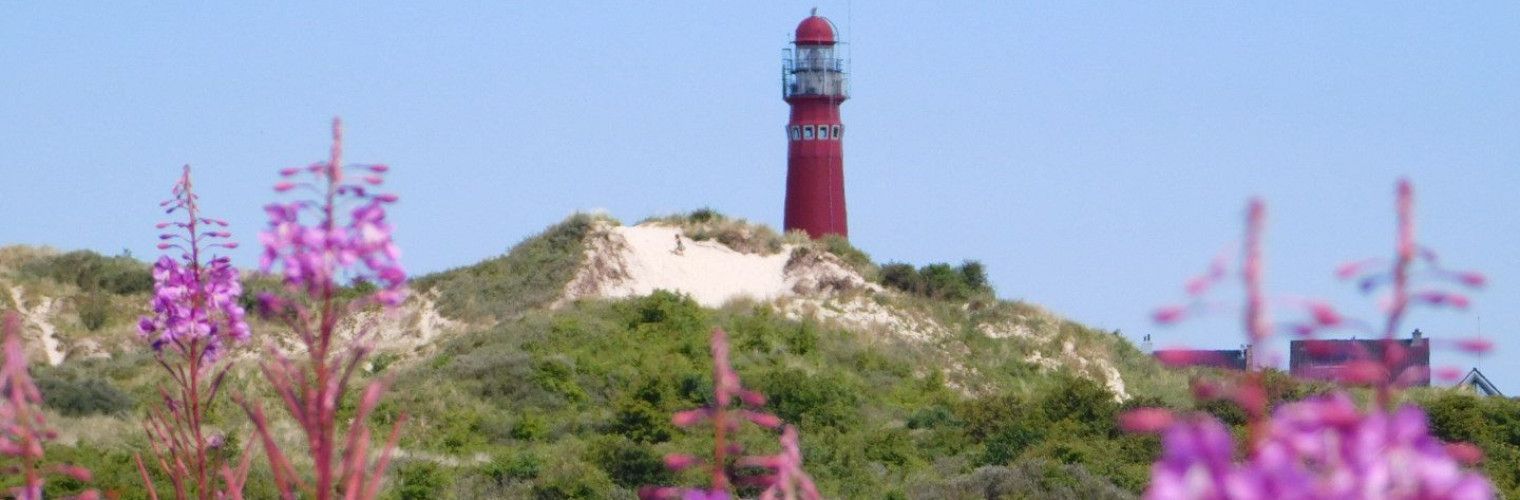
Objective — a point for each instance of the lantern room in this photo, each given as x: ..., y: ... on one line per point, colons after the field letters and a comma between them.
x: 811, y: 68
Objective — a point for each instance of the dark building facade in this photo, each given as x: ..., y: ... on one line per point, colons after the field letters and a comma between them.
x: 1229, y: 359
x: 1327, y: 359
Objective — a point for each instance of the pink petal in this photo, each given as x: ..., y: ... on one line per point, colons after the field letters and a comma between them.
x: 1448, y: 373
x: 1466, y: 453
x: 676, y: 461
x: 1169, y: 315
x: 1475, y: 345
x: 1324, y: 314
x: 689, y: 417
x: 1145, y: 419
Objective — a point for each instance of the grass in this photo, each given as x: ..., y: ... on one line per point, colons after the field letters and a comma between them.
x: 532, y: 274
x: 576, y: 402
x: 739, y: 234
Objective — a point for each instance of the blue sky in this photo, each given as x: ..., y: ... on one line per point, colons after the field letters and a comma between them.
x: 1093, y: 155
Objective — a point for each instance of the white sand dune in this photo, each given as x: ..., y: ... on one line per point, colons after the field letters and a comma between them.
x: 633, y: 261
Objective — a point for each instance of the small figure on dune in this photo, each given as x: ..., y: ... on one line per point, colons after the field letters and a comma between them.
x: 680, y: 248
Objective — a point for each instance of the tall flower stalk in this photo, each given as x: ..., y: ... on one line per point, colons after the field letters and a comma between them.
x: 338, y: 233
x: 733, y: 405
x: 195, y: 315
x: 1321, y: 447
x: 23, y: 428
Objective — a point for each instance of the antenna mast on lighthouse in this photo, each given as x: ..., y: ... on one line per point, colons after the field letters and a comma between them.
x: 815, y: 81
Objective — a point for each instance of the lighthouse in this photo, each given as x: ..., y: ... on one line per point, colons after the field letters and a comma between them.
x: 814, y: 82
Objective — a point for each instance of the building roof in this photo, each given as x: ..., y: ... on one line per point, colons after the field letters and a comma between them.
x: 1479, y: 384
x: 815, y: 30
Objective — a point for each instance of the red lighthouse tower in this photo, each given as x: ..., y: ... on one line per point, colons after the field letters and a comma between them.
x: 814, y: 81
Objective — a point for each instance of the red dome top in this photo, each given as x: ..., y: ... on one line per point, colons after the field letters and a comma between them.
x: 816, y: 30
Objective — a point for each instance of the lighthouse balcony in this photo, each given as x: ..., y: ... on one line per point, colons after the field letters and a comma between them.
x: 814, y: 63
x: 837, y: 89
x: 830, y: 84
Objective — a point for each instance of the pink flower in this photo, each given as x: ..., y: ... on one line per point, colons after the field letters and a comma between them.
x: 311, y: 249
x: 1318, y: 448
x: 735, y: 404
x: 195, y: 298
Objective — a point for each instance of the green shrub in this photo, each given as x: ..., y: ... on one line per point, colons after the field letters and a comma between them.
x: 505, y: 468
x: 854, y: 257
x: 76, y: 394
x: 1029, y: 479
x: 91, y: 271
x: 557, y: 376
x: 530, y: 426
x: 419, y: 480
x: 1082, y: 403
x: 566, y: 477
x: 628, y: 463
x: 739, y: 234
x: 810, y: 400
x: 94, y: 310
x: 939, y: 281
x: 641, y: 421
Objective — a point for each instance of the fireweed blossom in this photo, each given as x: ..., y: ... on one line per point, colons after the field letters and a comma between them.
x: 195, y: 315
x: 195, y: 296
x: 23, y: 428
x: 314, y: 254
x: 335, y: 232
x: 1321, y: 447
x: 733, y: 405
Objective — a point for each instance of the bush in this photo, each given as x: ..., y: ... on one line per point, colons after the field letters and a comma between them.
x: 75, y: 394
x: 854, y: 257
x: 629, y: 464
x: 1029, y: 479
x: 663, y: 311
x: 809, y: 400
x: 94, y: 310
x: 938, y: 281
x: 739, y: 234
x: 509, y: 467
x: 566, y: 478
x: 419, y: 480
x: 91, y: 271
x: 642, y: 421
x: 1083, y: 404
x: 530, y: 426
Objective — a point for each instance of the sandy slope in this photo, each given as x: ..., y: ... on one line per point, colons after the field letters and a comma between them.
x: 634, y: 261
x: 38, y: 316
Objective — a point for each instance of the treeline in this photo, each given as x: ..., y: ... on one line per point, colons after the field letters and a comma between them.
x: 939, y: 281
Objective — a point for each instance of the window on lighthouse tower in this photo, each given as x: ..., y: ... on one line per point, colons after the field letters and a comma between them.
x: 835, y: 133
x: 807, y: 132
x: 796, y: 132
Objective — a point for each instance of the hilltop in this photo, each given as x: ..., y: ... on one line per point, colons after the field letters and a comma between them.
x: 578, y: 340
x: 551, y: 370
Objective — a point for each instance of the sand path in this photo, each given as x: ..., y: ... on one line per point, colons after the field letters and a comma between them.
x: 38, y: 317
